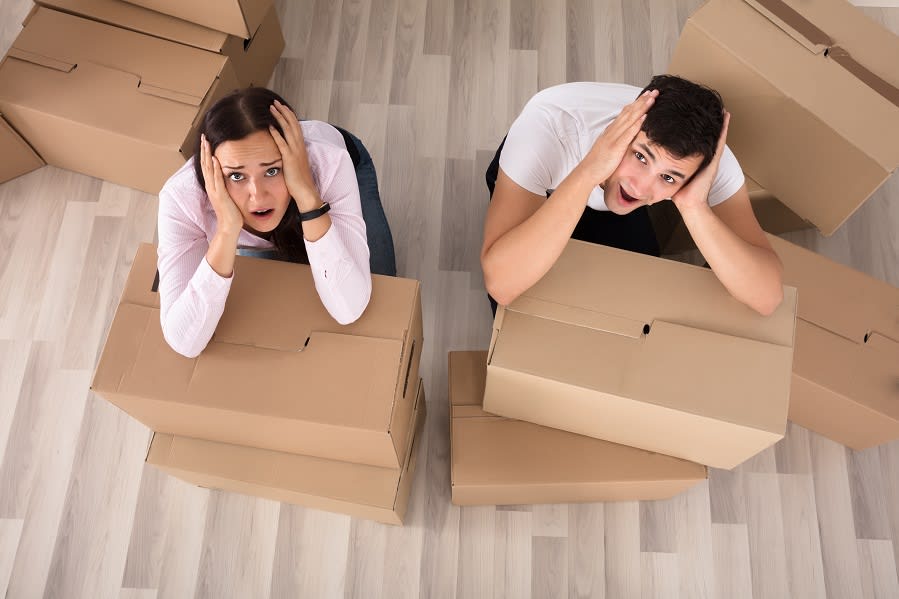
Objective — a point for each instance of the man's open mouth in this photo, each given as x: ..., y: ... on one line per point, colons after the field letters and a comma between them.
x: 627, y: 198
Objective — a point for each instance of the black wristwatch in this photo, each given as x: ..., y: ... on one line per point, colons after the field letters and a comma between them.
x: 304, y: 216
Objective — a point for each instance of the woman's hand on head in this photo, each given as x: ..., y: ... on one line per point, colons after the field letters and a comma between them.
x: 226, y: 211
x: 297, y: 174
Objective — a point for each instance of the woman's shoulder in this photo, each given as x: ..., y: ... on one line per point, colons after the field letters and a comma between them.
x: 321, y: 135
x: 183, y: 189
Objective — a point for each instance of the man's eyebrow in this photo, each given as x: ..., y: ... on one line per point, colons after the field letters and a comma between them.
x: 646, y: 149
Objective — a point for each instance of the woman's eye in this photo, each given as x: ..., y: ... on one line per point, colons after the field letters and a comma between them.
x: 640, y: 157
x: 272, y: 171
x: 235, y: 177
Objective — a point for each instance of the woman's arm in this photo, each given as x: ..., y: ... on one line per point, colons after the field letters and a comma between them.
x: 336, y: 242
x: 191, y: 294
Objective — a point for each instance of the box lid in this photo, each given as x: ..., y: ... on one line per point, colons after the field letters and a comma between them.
x: 290, y: 350
x: 492, y: 450
x: 237, y: 17
x: 628, y: 325
x: 143, y: 20
x: 825, y: 79
x: 836, y: 298
x: 111, y: 76
x: 18, y: 157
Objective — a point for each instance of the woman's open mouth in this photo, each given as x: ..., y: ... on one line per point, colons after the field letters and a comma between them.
x: 263, y: 213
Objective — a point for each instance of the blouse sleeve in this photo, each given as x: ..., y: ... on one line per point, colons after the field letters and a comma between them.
x: 340, y: 258
x: 192, y: 296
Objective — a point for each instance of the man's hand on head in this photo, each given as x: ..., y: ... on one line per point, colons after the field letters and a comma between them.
x: 695, y: 194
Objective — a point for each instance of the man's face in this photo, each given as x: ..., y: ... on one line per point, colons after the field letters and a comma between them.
x: 647, y: 174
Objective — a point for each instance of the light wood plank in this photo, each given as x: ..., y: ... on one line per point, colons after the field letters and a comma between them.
x: 878, y: 569
x: 584, y: 526
x: 730, y: 544
x: 623, y: 561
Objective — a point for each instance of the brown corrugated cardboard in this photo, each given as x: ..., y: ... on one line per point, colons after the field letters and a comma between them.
x: 237, y: 17
x: 106, y: 101
x: 253, y: 60
x: 846, y: 360
x: 18, y: 157
x: 369, y: 492
x: 812, y: 87
x: 772, y: 215
x: 279, y: 372
x: 497, y: 461
x: 643, y: 352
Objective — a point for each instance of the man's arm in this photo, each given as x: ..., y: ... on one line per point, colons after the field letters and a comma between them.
x: 524, y: 233
x: 733, y: 243
x: 731, y: 239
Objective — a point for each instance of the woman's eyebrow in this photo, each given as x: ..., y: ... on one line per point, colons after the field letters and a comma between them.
x: 277, y: 160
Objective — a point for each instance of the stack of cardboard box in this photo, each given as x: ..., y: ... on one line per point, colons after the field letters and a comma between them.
x: 115, y: 89
x: 647, y: 359
x: 283, y: 403
x: 654, y: 356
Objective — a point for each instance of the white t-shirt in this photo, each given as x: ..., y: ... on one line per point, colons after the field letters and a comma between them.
x: 558, y: 127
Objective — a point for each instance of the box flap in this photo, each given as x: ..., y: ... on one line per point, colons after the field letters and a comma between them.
x: 678, y: 367
x: 498, y: 451
x: 638, y: 289
x: 237, y: 17
x: 18, y: 157
x: 247, y: 321
x: 837, y: 298
x: 137, y: 67
x: 142, y: 20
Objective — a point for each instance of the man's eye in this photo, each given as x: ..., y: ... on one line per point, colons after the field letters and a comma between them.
x: 235, y: 177
x: 640, y: 157
x: 272, y: 171
x: 668, y: 178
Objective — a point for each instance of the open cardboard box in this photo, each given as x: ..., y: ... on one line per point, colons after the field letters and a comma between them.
x: 813, y: 90
x: 846, y: 360
x: 380, y: 494
x: 237, y: 17
x: 497, y: 461
x: 106, y: 101
x: 279, y: 373
x: 644, y: 352
x: 253, y: 59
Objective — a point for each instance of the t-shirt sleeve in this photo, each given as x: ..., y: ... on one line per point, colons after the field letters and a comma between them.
x: 729, y: 179
x: 532, y: 151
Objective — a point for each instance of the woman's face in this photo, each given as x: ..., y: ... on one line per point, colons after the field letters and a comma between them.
x: 253, y: 174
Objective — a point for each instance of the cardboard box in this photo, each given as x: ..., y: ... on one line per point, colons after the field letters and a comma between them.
x: 279, y: 372
x: 380, y: 494
x: 643, y: 352
x: 237, y: 17
x: 846, y: 361
x: 106, y: 101
x: 674, y: 237
x: 253, y: 59
x: 18, y: 157
x: 496, y: 461
x: 814, y: 92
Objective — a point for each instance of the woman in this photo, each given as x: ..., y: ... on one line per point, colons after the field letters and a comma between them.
x: 263, y: 183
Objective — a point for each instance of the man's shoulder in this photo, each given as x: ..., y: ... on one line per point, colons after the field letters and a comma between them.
x: 585, y: 94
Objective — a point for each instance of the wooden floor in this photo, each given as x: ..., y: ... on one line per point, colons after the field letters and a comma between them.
x: 430, y: 86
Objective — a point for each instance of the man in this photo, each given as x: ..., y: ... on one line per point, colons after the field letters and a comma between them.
x: 584, y: 160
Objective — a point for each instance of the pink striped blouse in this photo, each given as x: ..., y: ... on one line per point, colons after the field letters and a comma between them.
x: 192, y: 295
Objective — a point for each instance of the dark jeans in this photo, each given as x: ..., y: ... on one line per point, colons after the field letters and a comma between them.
x: 382, y: 259
x: 631, y: 232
